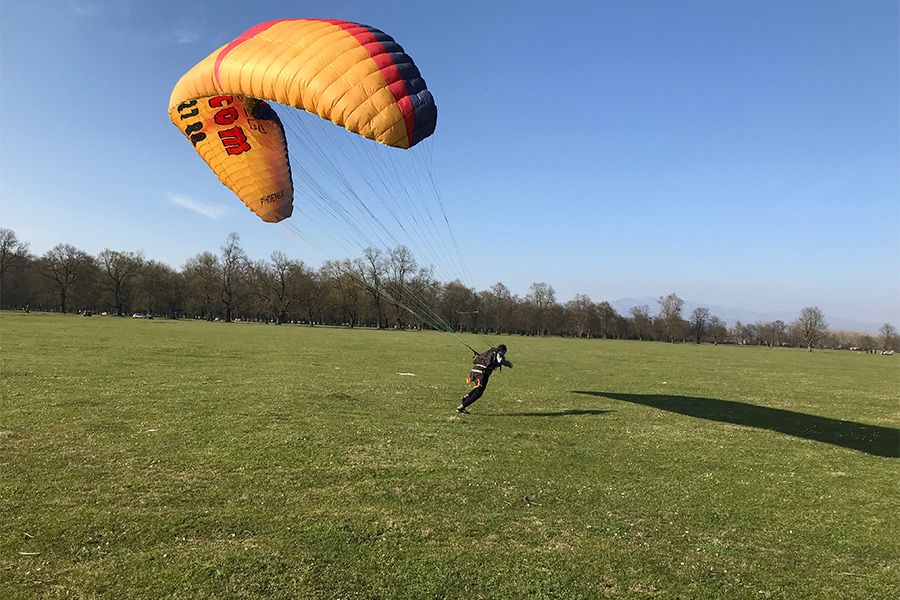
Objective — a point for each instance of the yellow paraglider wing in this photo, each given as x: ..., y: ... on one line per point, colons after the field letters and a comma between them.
x: 353, y: 75
x: 243, y: 142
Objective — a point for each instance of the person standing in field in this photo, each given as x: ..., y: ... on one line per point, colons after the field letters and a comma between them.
x: 485, y: 363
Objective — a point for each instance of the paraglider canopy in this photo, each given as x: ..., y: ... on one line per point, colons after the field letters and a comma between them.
x: 352, y: 75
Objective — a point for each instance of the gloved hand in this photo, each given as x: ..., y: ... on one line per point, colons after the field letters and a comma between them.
x: 509, y: 364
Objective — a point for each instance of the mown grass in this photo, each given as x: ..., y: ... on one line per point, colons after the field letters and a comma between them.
x: 180, y: 459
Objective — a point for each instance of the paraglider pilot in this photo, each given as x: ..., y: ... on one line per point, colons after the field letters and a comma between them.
x: 485, y: 363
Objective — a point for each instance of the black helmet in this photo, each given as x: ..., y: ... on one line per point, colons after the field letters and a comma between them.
x: 501, y: 348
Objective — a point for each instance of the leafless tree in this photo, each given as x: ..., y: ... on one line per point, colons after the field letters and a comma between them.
x: 401, y: 267
x: 13, y: 252
x: 582, y: 314
x: 717, y: 329
x: 610, y: 323
x: 670, y: 308
x: 542, y: 297
x: 772, y: 333
x: 345, y: 285
x: 458, y: 304
x: 306, y: 291
x: 427, y: 290
x: 155, y: 285
x: 234, y: 269
x: 888, y: 337
x: 745, y: 334
x: 271, y: 283
x: 866, y: 342
x: 63, y: 265
x: 499, y: 303
x: 120, y: 269
x: 811, y: 325
x: 700, y: 318
x: 641, y: 321
x: 203, y: 274
x: 372, y: 271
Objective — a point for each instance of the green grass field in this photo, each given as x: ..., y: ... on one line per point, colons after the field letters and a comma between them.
x: 181, y: 459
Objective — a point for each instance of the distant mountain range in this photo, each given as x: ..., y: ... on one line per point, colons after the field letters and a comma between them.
x: 732, y: 315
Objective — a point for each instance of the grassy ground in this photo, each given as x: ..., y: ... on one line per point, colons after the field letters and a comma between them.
x: 178, y: 459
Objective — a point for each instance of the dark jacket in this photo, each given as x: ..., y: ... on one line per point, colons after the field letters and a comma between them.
x: 486, y: 362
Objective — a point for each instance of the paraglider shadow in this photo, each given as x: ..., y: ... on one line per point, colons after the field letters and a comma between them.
x: 556, y: 413
x: 871, y: 439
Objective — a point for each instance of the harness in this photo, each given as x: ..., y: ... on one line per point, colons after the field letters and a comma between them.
x: 483, y: 365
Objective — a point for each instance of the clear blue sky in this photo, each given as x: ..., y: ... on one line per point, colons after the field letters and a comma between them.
x: 737, y: 153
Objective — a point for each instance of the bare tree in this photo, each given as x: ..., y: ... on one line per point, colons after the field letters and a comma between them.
x: 748, y: 334
x: 372, y: 270
x: 401, y: 266
x: 811, y: 325
x: 272, y: 282
x: 120, y: 269
x: 499, y: 303
x: 344, y: 283
x: 641, y: 321
x: 161, y: 289
x: 63, y: 265
x: 772, y: 333
x: 13, y: 252
x: 717, y: 329
x: 610, y: 324
x: 700, y: 318
x: 203, y: 274
x: 458, y: 303
x: 582, y: 314
x: 866, y: 342
x: 22, y: 284
x: 542, y: 297
x: 888, y: 337
x: 150, y: 285
x: 427, y: 290
x: 670, y: 316
x: 306, y: 291
x: 234, y: 269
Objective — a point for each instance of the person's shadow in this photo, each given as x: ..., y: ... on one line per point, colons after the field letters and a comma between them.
x: 871, y: 439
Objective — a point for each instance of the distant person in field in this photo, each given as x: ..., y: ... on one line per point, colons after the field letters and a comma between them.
x: 485, y: 363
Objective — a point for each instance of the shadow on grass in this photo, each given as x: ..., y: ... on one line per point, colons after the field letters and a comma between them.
x: 556, y: 413
x: 871, y: 439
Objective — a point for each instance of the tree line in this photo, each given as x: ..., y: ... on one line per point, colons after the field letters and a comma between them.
x: 379, y: 289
